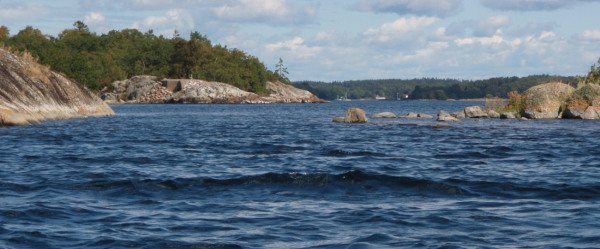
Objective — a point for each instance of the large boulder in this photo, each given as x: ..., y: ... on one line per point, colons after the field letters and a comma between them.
x: 384, y: 115
x: 459, y: 115
x: 492, y: 114
x: 137, y: 89
x: 30, y: 93
x: 474, y: 112
x: 545, y: 101
x: 355, y: 115
x: 584, y: 103
x: 446, y: 117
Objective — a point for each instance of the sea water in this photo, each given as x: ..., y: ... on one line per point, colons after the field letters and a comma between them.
x: 285, y: 176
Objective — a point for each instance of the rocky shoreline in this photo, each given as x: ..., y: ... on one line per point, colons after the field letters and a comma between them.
x: 31, y: 93
x: 148, y: 90
x: 554, y: 100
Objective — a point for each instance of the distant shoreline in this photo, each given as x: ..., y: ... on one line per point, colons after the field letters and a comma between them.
x: 475, y: 99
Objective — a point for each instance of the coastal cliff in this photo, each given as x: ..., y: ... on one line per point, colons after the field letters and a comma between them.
x: 147, y: 89
x: 30, y: 93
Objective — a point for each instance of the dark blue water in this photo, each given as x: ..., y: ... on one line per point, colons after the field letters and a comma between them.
x: 285, y: 176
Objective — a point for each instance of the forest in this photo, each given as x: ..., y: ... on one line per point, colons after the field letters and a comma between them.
x: 427, y: 88
x: 98, y: 60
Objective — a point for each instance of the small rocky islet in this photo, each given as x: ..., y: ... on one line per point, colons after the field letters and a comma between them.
x: 147, y: 89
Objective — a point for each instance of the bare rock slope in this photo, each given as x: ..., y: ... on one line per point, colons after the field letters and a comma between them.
x: 30, y: 92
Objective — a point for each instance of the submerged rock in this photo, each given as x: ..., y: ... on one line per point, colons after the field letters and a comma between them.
x: 355, y: 115
x: 416, y: 115
x: 410, y: 115
x: 545, y: 101
x: 384, y: 115
x: 30, y: 92
x: 441, y: 125
x: 339, y: 119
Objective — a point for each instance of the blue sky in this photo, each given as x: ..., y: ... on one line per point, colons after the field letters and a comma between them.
x: 356, y: 39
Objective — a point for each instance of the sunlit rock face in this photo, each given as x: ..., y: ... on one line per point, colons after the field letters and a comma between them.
x: 30, y: 93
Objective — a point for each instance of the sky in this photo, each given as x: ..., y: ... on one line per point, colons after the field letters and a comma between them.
x: 336, y: 40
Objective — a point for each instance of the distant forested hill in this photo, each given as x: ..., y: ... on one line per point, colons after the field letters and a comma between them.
x: 427, y: 88
x: 98, y: 60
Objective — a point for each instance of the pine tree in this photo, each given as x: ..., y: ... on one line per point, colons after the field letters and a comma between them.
x: 282, y: 71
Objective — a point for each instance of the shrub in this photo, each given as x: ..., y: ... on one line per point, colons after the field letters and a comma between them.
x: 516, y: 102
x: 593, y: 77
x: 495, y: 104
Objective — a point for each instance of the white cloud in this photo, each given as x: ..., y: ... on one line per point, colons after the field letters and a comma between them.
x: 491, y: 25
x: 150, y: 4
x: 97, y: 5
x: 425, y: 54
x: 22, y: 12
x: 96, y: 22
x: 496, y: 39
x: 530, y: 5
x: 273, y: 12
x: 591, y: 35
x: 402, y: 29
x: 175, y: 19
x: 418, y: 7
x: 546, y: 42
x: 94, y: 18
x: 296, y: 47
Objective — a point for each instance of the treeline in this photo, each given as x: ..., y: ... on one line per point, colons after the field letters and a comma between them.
x: 427, y: 88
x: 98, y: 60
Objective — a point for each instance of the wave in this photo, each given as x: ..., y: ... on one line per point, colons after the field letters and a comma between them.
x: 354, y: 180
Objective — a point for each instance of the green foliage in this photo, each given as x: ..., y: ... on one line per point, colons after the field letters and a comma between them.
x: 586, y: 92
x: 282, y: 72
x: 98, y: 60
x: 593, y: 77
x: 516, y: 102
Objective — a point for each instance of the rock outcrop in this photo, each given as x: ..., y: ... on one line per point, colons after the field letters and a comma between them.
x: 196, y: 91
x: 474, y: 112
x: 146, y: 89
x: 446, y: 117
x: 284, y: 93
x: 508, y: 115
x: 384, y: 115
x: 545, y: 101
x: 492, y: 114
x: 30, y: 93
x: 355, y: 115
x: 459, y: 115
x: 584, y: 103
